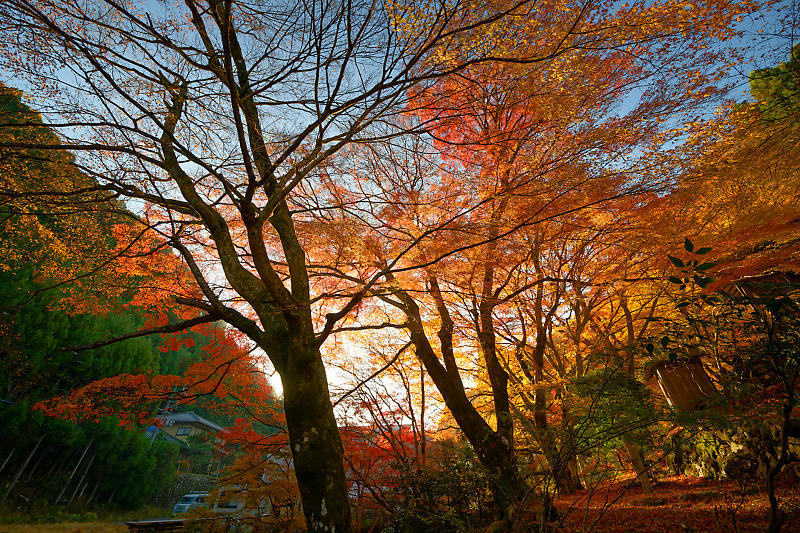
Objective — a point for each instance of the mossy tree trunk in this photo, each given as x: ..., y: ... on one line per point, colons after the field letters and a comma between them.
x: 315, y: 442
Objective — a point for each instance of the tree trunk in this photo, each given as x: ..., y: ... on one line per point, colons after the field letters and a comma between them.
x: 508, y: 486
x: 315, y: 442
x: 634, y: 450
x: 642, y: 472
x: 776, y: 516
x: 573, y: 474
x: 560, y: 461
x: 423, y: 441
x: 557, y: 461
x: 569, y: 448
x: 494, y: 451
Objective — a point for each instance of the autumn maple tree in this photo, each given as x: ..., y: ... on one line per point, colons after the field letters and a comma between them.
x: 450, y: 170
x: 512, y: 149
x: 734, y: 283
x: 208, y: 115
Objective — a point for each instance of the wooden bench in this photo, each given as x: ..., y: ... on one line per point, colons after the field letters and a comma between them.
x: 175, y: 524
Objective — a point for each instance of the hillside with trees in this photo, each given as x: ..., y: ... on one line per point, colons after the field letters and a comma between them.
x: 59, y: 296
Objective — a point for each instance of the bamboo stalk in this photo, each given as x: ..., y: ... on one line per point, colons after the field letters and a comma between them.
x: 80, y: 481
x: 7, y: 458
x: 21, y: 469
x: 60, y: 494
x: 35, y: 466
x: 94, y: 490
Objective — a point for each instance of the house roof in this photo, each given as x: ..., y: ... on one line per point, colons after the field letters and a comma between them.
x: 189, y: 417
x: 154, y: 432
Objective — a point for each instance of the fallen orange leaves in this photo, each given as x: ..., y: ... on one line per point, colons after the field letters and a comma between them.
x: 679, y: 504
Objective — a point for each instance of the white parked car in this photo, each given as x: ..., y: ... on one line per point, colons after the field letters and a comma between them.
x: 190, y: 501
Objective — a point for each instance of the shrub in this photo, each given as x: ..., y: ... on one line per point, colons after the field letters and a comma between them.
x: 450, y: 493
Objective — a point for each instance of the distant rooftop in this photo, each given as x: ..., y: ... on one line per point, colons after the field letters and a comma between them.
x: 153, y: 432
x: 189, y: 417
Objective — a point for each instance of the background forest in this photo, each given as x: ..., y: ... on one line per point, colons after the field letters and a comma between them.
x: 100, y: 455
x: 513, y: 266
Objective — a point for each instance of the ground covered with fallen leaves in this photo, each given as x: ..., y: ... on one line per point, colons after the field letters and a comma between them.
x: 679, y: 504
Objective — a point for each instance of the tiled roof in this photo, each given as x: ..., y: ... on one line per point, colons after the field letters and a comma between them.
x: 189, y: 417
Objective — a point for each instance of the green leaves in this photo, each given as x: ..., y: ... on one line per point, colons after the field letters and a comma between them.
x: 688, y: 245
x: 693, y: 275
x: 775, y: 88
x: 693, y: 272
x: 675, y: 261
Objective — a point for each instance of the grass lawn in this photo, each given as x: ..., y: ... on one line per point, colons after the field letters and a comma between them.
x: 66, y: 527
x: 108, y: 521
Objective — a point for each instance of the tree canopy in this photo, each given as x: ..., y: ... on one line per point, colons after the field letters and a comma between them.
x: 497, y: 189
